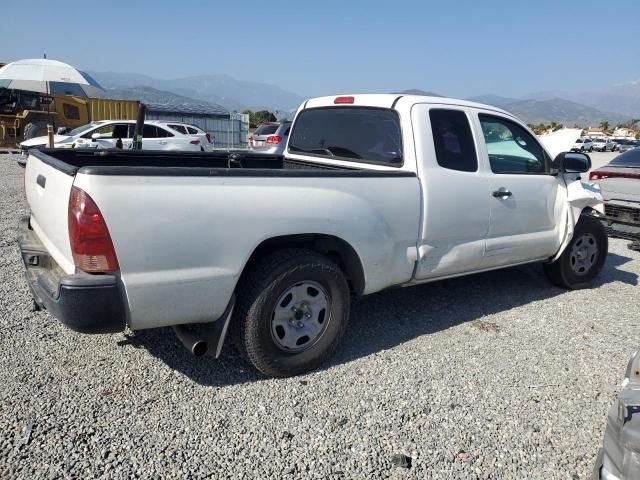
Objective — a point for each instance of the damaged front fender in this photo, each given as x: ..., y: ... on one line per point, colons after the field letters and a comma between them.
x: 581, y: 196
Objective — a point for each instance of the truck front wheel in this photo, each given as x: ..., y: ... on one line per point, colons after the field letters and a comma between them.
x: 292, y: 311
x: 583, y: 258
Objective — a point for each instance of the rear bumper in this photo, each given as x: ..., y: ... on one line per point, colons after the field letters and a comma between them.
x: 83, y: 302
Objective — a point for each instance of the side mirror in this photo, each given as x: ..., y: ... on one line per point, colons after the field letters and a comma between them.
x: 95, y: 137
x: 571, y: 162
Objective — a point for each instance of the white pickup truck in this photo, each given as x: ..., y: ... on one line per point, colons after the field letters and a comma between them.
x: 373, y: 191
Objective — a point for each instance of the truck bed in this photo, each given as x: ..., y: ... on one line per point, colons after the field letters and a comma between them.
x: 218, y: 163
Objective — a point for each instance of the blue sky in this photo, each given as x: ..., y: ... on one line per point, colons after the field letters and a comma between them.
x: 453, y: 47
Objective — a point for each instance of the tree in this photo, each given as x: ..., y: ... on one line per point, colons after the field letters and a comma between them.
x: 631, y: 124
x: 604, y: 126
x: 256, y: 118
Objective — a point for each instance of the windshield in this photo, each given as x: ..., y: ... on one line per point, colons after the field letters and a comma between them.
x: 579, y: 140
x: 83, y: 128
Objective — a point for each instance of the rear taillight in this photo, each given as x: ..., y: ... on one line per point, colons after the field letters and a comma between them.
x: 91, y: 243
x: 274, y: 139
x: 209, y: 138
x: 195, y: 142
x: 600, y: 175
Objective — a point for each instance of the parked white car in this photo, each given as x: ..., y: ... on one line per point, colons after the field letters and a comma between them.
x: 582, y: 145
x: 603, y: 145
x: 206, y: 140
x: 156, y: 135
x: 374, y: 191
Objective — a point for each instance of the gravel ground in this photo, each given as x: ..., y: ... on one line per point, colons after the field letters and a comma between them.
x: 498, y: 375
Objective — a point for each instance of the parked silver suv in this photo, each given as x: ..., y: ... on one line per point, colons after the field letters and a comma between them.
x: 270, y: 138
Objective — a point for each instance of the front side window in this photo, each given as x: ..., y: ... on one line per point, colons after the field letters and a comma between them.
x: 121, y: 130
x: 511, y: 148
x: 362, y: 134
x: 71, y: 111
x: 453, y: 140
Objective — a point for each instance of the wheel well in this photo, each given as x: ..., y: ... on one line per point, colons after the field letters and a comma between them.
x: 333, y: 247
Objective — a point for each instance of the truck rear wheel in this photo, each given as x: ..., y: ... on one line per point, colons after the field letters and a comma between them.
x: 292, y: 311
x: 34, y: 129
x: 584, y: 257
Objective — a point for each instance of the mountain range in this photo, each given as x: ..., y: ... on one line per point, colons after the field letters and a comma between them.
x: 615, y: 104
x: 233, y: 94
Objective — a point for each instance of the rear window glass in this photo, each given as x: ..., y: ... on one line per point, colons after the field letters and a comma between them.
x: 192, y: 130
x: 266, y: 130
x: 630, y: 158
x: 355, y: 133
x: 179, y: 128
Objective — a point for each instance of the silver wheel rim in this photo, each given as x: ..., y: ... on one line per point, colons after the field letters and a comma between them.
x: 584, y: 254
x: 300, y: 317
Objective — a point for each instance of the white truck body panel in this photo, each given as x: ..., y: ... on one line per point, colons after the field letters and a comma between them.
x: 171, y: 257
x: 182, y: 242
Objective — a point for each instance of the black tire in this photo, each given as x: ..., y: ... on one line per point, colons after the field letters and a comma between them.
x: 258, y: 293
x: 563, y: 272
x: 34, y: 129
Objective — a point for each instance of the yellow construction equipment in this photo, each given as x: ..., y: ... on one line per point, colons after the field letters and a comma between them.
x: 25, y: 115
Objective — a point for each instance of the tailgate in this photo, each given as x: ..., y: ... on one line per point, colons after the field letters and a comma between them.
x: 48, y: 190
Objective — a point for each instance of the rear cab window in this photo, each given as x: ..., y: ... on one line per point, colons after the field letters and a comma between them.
x: 453, y: 140
x: 357, y: 134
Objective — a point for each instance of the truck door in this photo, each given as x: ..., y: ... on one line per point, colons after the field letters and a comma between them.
x: 455, y: 208
x: 526, y: 201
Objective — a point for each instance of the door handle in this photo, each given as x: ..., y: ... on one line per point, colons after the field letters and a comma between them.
x: 502, y: 193
x: 41, y: 180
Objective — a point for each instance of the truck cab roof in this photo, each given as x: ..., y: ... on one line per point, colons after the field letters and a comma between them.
x: 391, y: 100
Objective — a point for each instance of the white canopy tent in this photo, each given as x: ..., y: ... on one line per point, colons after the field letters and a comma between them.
x: 47, y: 76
